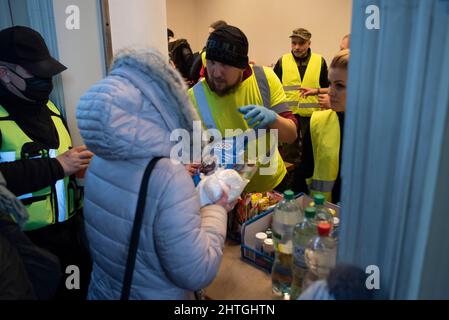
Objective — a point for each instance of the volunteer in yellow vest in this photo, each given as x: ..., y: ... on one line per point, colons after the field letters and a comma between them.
x: 36, y: 154
x: 302, y: 68
x: 235, y: 95
x: 304, y: 75
x: 324, y: 140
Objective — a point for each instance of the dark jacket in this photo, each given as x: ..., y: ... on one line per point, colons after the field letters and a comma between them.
x: 26, y: 271
x: 30, y: 175
x: 182, y: 56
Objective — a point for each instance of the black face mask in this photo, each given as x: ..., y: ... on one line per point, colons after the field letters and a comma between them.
x: 38, y: 89
x: 33, y: 117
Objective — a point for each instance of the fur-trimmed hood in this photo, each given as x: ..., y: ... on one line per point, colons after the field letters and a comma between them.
x: 131, y: 113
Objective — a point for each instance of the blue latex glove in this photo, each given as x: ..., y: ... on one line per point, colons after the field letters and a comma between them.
x: 259, y: 115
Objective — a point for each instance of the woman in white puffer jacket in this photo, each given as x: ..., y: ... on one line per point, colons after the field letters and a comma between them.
x: 126, y: 120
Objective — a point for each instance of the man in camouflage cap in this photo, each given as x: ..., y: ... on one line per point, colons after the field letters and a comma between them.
x: 303, y: 74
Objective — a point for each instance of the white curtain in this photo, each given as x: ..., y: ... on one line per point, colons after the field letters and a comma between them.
x: 396, y: 122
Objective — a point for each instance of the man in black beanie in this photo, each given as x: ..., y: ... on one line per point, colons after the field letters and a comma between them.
x: 37, y: 158
x: 235, y: 95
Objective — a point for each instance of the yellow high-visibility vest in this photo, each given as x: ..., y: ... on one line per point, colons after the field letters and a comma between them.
x: 291, y: 80
x: 52, y: 204
x: 221, y: 112
x: 325, y: 135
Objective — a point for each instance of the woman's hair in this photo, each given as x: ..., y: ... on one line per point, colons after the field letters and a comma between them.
x: 218, y: 24
x: 341, y: 60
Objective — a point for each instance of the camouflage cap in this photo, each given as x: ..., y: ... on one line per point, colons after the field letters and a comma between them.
x: 301, y: 33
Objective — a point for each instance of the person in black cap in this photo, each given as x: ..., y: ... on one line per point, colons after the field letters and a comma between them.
x: 37, y: 158
x: 241, y: 96
x: 303, y: 74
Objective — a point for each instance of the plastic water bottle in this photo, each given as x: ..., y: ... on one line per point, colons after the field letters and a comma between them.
x: 320, y: 255
x: 335, y: 230
x: 287, y: 215
x: 323, y: 214
x: 302, y: 234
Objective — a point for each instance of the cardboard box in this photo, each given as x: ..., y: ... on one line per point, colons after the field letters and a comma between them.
x: 262, y: 222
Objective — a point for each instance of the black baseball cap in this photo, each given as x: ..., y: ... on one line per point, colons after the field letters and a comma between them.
x: 26, y: 47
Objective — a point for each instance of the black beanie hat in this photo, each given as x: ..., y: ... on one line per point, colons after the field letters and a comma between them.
x: 228, y: 45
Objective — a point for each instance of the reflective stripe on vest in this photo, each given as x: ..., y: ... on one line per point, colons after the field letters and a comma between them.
x: 262, y: 83
x: 60, y: 194
x: 322, y: 186
x: 59, y: 186
x: 291, y: 80
x: 282, y: 107
x: 40, y: 204
x: 325, y: 135
x: 203, y: 105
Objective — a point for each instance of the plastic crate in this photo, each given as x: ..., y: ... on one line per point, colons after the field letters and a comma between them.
x: 260, y: 223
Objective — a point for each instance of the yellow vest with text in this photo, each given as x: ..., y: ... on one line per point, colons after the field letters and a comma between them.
x: 55, y: 203
x: 291, y: 80
x: 262, y: 88
x: 325, y: 135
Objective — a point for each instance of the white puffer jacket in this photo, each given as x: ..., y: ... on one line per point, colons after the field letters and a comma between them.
x: 126, y: 120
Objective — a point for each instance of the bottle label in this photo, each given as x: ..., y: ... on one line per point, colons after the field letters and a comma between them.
x: 286, y: 248
x: 299, y: 257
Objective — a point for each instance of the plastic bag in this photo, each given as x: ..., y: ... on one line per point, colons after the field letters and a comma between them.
x: 211, y: 187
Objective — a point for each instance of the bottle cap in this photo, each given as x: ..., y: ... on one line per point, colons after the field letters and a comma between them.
x: 288, y: 195
x: 336, y: 221
x: 324, y: 229
x: 269, y: 233
x: 261, y: 236
x: 310, y: 212
x: 319, y: 198
x: 268, y: 246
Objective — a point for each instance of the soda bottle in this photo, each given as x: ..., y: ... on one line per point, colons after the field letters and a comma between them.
x: 320, y: 255
x: 303, y: 232
x: 287, y: 215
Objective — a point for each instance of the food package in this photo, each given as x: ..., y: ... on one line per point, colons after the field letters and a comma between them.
x: 211, y: 187
x: 252, y: 204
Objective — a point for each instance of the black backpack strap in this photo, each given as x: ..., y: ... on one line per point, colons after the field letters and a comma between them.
x: 132, y: 251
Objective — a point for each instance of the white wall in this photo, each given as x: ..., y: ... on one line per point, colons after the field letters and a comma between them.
x: 181, y: 19
x: 138, y: 23
x: 266, y: 23
x: 81, y: 52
